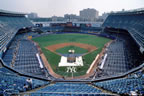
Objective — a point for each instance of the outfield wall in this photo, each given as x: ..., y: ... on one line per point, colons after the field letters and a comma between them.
x: 100, y: 34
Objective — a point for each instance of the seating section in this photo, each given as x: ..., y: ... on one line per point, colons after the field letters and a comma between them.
x: 12, y: 50
x: 132, y: 21
x: 124, y: 86
x: 21, y: 55
x: 70, y: 94
x: 13, y: 84
x: 8, y: 56
x: 26, y: 59
x: 68, y: 89
x: 121, y: 56
x: 7, y: 71
x: 9, y: 25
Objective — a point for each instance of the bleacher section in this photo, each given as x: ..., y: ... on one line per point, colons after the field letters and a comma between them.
x: 125, y: 86
x: 21, y: 55
x: 69, y: 89
x: 132, y: 21
x: 26, y: 59
x: 121, y: 56
x: 10, y: 23
x: 13, y: 84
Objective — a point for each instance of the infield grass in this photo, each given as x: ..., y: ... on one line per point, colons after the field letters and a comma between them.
x: 78, y: 50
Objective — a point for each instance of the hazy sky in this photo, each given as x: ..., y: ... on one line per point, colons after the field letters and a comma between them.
x: 47, y: 8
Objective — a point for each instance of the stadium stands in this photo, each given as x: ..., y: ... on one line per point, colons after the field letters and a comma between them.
x: 26, y: 59
x: 10, y: 23
x: 13, y: 84
x: 69, y: 89
x: 132, y: 21
x: 121, y: 56
x: 125, y: 86
x: 19, y: 54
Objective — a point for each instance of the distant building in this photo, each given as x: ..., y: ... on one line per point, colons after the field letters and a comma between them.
x: 103, y: 17
x: 71, y: 17
x: 32, y: 15
x: 89, y: 14
x: 56, y: 18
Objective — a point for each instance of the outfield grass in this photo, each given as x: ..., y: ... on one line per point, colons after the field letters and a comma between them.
x: 54, y: 59
x: 65, y: 50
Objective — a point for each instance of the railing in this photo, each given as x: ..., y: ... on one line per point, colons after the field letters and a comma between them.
x: 63, y: 93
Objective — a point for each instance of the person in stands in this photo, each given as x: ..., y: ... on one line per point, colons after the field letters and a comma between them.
x: 25, y: 87
x: 29, y: 82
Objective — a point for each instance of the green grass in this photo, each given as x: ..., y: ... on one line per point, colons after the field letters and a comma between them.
x: 54, y: 59
x: 65, y: 50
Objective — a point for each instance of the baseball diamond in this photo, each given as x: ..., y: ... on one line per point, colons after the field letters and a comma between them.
x: 49, y: 44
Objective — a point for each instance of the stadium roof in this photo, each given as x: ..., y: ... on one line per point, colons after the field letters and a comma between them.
x: 11, y: 13
x: 134, y: 11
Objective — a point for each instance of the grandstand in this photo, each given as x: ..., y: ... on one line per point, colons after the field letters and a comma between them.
x: 132, y: 21
x: 10, y: 23
x: 122, y: 71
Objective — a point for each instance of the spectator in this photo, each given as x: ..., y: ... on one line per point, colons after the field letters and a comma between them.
x: 25, y: 87
x: 29, y: 81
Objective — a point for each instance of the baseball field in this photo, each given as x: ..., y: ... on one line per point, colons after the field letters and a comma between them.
x: 55, y: 44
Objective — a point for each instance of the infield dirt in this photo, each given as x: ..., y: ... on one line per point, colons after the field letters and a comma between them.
x: 88, y: 47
